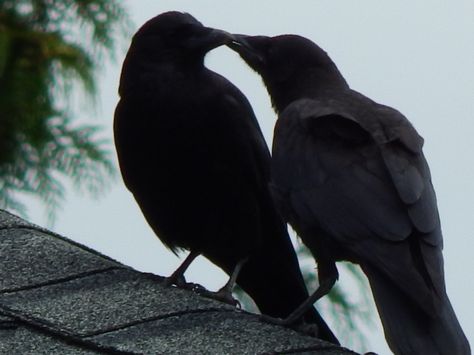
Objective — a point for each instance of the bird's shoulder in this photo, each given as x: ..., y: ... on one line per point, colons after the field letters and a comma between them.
x: 336, y: 112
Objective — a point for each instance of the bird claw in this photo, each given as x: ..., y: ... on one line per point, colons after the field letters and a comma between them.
x: 178, y: 281
x: 195, y: 287
x: 220, y: 296
x: 307, y: 329
x: 273, y: 320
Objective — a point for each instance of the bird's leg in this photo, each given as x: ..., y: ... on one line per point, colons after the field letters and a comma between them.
x: 225, y: 293
x: 324, y: 287
x: 327, y: 276
x: 177, y: 277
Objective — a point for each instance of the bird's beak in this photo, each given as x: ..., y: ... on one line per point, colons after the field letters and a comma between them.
x: 244, y: 46
x: 204, y: 39
x: 215, y: 38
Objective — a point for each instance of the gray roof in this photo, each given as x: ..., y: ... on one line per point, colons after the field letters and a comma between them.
x: 60, y: 297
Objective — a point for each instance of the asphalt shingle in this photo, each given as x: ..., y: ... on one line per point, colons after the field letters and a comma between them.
x: 211, y: 333
x: 59, y: 297
x: 30, y: 257
x: 25, y: 340
x: 8, y: 220
x: 106, y: 301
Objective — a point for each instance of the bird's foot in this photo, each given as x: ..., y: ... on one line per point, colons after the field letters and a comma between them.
x: 221, y: 296
x: 178, y: 281
x: 311, y: 330
x: 195, y: 287
x: 301, y: 327
x: 177, y: 277
x: 273, y: 320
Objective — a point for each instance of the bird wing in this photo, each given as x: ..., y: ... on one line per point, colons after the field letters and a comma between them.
x: 193, y: 148
x: 402, y: 154
x: 373, y: 170
x: 221, y: 131
x: 364, y: 182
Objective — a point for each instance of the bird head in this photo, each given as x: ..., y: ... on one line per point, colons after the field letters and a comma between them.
x: 175, y: 36
x: 169, y: 41
x: 289, y: 65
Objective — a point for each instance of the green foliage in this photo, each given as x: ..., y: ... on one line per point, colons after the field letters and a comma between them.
x: 46, y: 48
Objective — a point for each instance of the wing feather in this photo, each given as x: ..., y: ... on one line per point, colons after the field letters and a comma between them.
x: 357, y: 177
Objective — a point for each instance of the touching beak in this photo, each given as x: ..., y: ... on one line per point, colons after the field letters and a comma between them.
x: 215, y: 38
x: 242, y: 45
x: 204, y: 39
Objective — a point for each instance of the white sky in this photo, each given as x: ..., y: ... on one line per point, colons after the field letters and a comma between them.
x: 415, y: 56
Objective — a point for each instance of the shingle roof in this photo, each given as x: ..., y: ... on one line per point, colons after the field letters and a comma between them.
x: 60, y: 297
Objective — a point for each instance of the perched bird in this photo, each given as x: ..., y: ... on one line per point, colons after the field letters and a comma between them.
x: 350, y: 176
x: 191, y: 151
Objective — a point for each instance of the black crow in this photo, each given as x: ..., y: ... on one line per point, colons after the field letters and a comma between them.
x: 191, y: 151
x: 350, y: 176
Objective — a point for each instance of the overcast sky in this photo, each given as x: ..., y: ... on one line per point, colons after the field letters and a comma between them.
x: 415, y: 56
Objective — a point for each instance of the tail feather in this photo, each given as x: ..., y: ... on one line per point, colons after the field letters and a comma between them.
x: 408, y: 329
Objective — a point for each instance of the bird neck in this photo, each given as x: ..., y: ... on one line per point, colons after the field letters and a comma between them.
x: 307, y: 83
